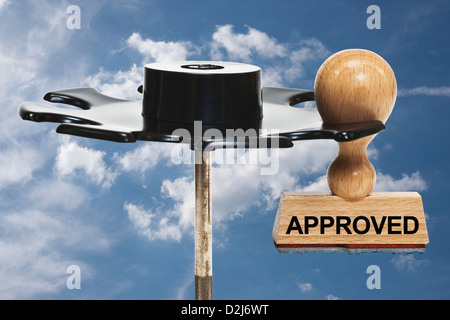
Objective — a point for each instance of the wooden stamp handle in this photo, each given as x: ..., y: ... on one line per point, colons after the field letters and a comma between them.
x: 354, y: 86
x: 351, y: 175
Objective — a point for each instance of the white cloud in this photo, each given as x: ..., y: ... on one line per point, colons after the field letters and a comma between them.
x: 121, y: 84
x: 181, y: 293
x: 272, y: 77
x: 18, y: 162
x: 55, y: 194
x: 310, y: 50
x: 285, y: 61
x: 332, y: 297
x: 305, y: 159
x: 305, y: 287
x: 181, y: 191
x: 140, y: 218
x: 145, y: 157
x: 408, y: 262
x: 427, y: 91
x: 240, y: 46
x: 229, y: 181
x: 319, y: 185
x: 161, y: 51
x: 413, y: 182
x: 228, y: 185
x: 229, y: 202
x: 73, y: 159
x: 143, y: 221
x: 308, y: 157
x: 3, y: 4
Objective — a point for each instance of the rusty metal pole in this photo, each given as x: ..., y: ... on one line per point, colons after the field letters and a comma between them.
x: 203, y: 226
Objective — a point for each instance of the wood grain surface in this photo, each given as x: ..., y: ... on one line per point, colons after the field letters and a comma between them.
x: 390, y: 207
x: 353, y: 86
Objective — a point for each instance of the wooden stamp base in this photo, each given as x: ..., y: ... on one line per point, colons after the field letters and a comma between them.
x: 381, y: 222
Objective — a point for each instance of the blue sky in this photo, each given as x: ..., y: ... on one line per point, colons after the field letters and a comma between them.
x: 123, y: 212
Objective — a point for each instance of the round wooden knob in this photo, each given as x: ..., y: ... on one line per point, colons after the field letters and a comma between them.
x: 354, y: 86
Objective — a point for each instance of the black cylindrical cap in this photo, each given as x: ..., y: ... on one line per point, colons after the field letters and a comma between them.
x: 216, y: 93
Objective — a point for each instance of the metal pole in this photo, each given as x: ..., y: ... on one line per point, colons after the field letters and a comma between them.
x: 203, y: 226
